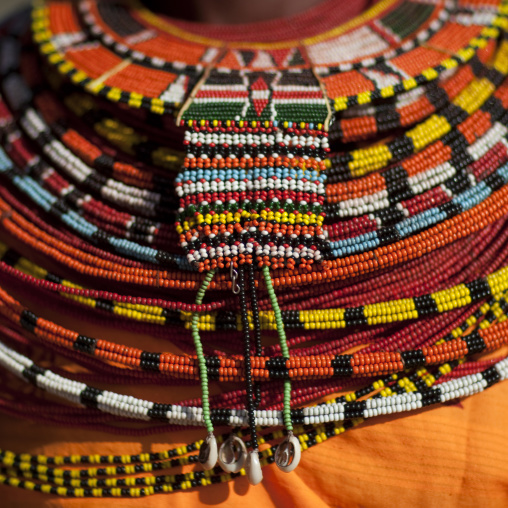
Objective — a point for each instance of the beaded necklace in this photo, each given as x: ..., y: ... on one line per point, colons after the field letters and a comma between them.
x: 278, y: 220
x: 168, y: 482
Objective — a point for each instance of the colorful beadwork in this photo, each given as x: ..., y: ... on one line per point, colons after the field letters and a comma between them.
x: 298, y: 216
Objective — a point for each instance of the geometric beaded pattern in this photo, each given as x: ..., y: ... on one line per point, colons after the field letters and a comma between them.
x: 252, y: 194
x: 415, y: 238
x: 128, y: 54
x: 460, y: 38
x: 253, y: 184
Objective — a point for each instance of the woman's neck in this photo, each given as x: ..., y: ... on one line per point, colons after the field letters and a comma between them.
x: 231, y: 12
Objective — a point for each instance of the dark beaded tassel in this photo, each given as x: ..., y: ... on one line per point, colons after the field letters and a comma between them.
x: 252, y: 464
x: 257, y: 326
x: 248, y: 374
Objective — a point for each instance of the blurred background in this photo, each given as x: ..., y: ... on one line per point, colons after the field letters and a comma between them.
x: 9, y: 6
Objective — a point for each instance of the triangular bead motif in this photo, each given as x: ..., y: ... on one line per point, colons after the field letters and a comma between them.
x: 260, y: 95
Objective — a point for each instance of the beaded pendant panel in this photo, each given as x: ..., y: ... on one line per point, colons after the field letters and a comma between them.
x: 252, y: 194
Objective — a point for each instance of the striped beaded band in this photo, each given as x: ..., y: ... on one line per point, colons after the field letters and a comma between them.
x: 371, y: 314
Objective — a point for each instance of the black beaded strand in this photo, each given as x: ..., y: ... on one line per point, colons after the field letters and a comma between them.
x: 250, y: 405
x: 257, y: 326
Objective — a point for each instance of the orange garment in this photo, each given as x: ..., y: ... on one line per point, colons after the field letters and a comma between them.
x: 451, y: 456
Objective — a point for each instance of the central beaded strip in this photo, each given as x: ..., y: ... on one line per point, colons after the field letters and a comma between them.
x: 252, y: 192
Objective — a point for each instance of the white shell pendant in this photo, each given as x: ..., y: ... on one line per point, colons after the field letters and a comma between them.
x: 288, y: 453
x: 208, y: 452
x: 253, y: 468
x: 232, y: 454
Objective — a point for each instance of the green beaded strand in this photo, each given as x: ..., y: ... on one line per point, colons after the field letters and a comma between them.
x: 283, y: 346
x: 199, y: 352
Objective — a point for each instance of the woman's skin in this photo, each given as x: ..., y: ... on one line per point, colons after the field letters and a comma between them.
x: 249, y: 11
x: 231, y: 12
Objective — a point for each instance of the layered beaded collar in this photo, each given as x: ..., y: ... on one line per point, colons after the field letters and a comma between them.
x: 330, y: 163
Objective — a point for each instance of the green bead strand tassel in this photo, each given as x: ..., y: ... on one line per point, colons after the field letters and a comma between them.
x: 288, y: 452
x: 208, y: 452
